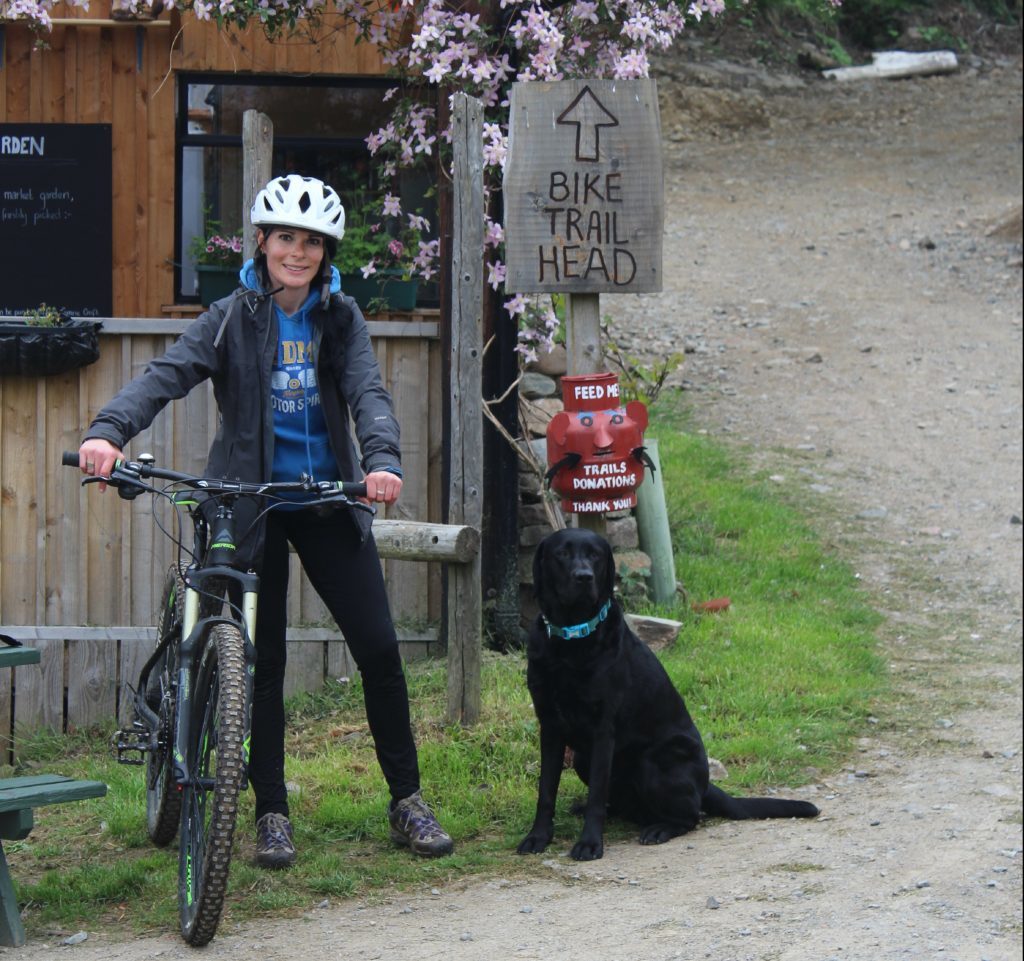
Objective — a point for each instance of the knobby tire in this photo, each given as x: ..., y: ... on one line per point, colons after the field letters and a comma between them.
x: 163, y: 799
x: 216, y: 758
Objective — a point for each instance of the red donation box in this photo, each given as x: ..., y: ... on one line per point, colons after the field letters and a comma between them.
x: 596, y: 455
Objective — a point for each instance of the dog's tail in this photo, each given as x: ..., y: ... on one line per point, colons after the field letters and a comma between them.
x: 719, y: 804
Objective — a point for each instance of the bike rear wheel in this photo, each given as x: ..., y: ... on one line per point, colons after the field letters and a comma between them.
x: 163, y: 799
x: 216, y: 771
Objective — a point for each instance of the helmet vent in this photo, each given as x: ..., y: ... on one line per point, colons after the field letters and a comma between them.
x: 304, y: 202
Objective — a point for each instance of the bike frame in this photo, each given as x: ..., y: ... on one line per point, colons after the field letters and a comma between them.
x: 203, y: 583
x: 210, y: 575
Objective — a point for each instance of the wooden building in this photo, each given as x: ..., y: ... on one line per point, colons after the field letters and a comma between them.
x: 78, y: 571
x: 174, y: 87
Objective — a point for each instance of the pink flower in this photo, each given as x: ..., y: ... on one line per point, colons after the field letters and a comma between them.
x: 517, y: 305
x: 496, y: 274
x: 494, y: 235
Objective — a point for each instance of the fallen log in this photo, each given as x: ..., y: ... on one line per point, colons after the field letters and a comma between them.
x: 897, y: 63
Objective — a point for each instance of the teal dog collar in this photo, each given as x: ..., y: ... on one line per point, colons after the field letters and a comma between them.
x: 579, y: 630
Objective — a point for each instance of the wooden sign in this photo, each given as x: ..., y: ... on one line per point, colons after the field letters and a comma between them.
x: 56, y: 215
x: 583, y: 188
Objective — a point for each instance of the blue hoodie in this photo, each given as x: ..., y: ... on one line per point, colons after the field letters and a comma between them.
x: 301, y: 442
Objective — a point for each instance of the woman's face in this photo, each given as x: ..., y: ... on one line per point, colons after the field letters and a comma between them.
x: 294, y: 256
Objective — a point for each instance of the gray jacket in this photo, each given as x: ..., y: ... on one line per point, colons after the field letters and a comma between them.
x: 233, y: 344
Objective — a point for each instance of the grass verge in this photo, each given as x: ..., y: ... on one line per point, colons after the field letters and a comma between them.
x: 779, y: 684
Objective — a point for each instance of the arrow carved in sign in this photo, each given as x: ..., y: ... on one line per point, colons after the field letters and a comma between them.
x: 588, y: 115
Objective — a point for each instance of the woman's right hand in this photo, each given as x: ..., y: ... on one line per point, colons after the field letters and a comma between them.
x: 96, y: 457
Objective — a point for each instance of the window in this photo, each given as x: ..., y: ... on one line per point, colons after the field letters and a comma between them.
x: 320, y: 126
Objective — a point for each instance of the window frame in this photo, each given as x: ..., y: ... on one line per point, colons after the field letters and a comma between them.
x: 184, y: 139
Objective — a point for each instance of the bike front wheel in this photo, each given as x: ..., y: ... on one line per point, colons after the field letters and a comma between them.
x: 216, y: 765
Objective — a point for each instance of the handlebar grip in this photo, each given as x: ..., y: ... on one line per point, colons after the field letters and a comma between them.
x: 353, y: 488
x: 69, y: 458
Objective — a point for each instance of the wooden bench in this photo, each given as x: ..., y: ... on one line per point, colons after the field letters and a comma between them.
x: 19, y: 796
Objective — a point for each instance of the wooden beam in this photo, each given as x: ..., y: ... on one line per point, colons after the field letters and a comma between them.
x: 99, y: 22
x: 173, y: 326
x: 30, y: 634
x: 420, y: 541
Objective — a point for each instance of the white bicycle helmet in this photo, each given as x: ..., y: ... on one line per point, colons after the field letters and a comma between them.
x: 294, y: 201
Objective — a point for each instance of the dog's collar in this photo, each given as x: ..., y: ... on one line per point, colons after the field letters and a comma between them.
x: 579, y: 630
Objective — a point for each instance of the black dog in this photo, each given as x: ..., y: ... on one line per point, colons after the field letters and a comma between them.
x: 600, y: 691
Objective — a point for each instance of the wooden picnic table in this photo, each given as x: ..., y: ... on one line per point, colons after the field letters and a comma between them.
x: 19, y: 796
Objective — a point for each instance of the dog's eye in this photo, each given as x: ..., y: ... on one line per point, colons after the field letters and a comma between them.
x: 587, y: 421
x: 617, y: 418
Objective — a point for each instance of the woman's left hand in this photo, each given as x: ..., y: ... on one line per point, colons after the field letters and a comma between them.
x: 383, y: 487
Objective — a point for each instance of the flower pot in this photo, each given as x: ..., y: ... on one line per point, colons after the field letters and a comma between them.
x: 384, y: 290
x: 121, y: 10
x: 30, y: 350
x: 216, y: 282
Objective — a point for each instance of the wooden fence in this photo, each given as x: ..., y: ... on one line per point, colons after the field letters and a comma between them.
x: 80, y: 572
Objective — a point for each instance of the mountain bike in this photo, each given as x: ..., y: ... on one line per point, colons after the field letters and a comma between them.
x: 192, y: 701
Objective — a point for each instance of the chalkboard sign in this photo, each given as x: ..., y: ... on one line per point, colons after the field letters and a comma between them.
x: 56, y: 218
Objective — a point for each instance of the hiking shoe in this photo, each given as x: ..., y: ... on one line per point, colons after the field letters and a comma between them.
x: 274, y: 848
x: 413, y: 825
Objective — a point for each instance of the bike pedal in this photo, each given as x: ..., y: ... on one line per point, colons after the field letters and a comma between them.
x: 126, y: 743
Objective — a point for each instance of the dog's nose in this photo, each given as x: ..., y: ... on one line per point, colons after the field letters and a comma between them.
x: 583, y: 574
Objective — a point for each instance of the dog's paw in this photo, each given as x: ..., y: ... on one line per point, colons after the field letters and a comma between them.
x: 658, y: 833
x: 533, y: 844
x: 584, y: 850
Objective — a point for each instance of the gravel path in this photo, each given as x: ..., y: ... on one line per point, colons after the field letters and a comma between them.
x: 851, y: 317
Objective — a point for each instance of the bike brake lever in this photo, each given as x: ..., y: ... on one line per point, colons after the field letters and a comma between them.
x: 343, y: 500
x: 127, y: 489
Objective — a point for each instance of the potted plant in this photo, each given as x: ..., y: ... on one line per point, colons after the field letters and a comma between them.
x: 47, y: 340
x: 217, y: 257
x: 383, y: 255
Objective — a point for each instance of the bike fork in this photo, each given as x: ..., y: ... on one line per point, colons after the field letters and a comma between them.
x: 193, y: 630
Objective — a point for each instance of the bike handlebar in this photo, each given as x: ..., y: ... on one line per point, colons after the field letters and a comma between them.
x: 131, y: 472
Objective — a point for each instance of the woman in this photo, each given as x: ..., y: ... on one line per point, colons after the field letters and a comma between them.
x: 291, y: 365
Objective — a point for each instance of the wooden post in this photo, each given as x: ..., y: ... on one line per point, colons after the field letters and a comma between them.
x: 585, y: 356
x: 257, y: 151
x: 465, y: 493
x: 583, y: 334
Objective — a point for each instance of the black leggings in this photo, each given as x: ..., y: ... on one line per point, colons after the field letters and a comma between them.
x: 348, y: 578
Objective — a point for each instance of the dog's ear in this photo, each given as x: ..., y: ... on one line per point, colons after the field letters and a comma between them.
x: 609, y: 570
x: 538, y: 571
